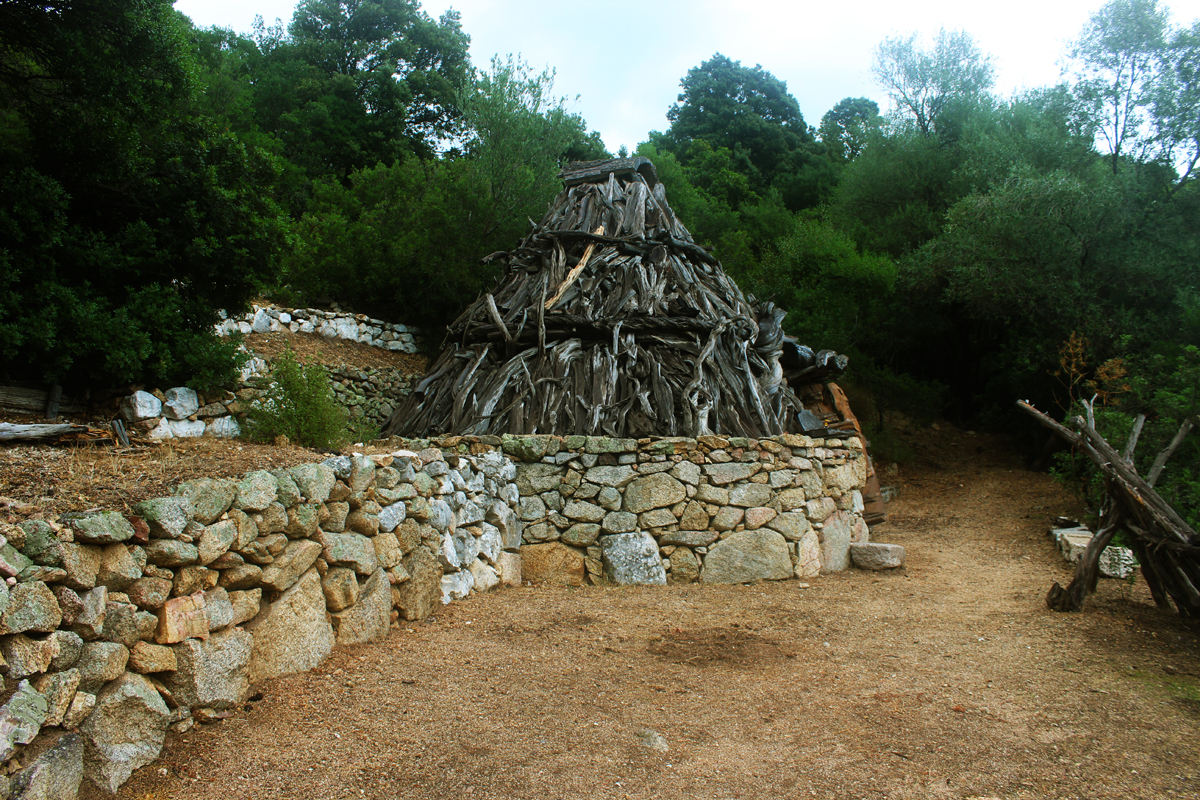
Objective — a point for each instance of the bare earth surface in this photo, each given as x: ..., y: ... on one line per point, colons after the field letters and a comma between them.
x: 56, y: 479
x: 948, y: 679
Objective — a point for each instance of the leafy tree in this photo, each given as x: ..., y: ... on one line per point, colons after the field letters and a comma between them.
x: 847, y: 127
x: 401, y: 239
x: 1043, y: 129
x: 894, y: 197
x: 520, y: 136
x: 929, y: 86
x: 349, y: 84
x: 128, y: 222
x: 831, y: 291
x: 749, y: 112
x: 403, y: 68
x: 1176, y: 110
x: 407, y: 237
x: 1118, y: 65
x: 1023, y: 266
x: 716, y: 203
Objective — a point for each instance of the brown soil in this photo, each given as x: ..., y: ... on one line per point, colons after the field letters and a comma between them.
x: 55, y: 479
x: 947, y: 679
x: 312, y: 347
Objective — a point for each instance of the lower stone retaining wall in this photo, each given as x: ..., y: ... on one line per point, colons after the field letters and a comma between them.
x: 116, y: 628
x: 715, y: 509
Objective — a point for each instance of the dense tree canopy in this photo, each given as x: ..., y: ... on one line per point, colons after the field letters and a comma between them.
x: 127, y: 220
x: 350, y: 83
x: 749, y: 112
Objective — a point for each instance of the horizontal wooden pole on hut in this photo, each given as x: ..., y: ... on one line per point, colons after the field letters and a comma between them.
x: 568, y: 326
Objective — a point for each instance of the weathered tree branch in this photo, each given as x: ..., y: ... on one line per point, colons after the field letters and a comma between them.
x: 1131, y: 445
x: 1161, y: 461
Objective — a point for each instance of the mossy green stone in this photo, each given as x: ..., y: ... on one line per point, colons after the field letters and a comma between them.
x: 525, y: 448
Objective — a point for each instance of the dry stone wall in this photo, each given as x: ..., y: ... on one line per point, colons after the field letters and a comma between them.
x: 331, y: 324
x: 713, y: 509
x: 370, y: 394
x: 117, y: 628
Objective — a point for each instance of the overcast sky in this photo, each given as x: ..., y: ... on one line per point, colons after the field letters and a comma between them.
x: 625, y: 58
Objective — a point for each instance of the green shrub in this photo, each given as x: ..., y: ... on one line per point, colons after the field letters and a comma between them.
x: 1165, y: 386
x: 360, y: 429
x: 299, y: 405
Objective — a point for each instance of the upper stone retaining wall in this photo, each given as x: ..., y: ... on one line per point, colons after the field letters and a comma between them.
x: 370, y: 393
x: 331, y: 324
x: 114, y: 628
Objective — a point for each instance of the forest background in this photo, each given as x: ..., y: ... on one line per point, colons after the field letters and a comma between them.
x: 965, y: 250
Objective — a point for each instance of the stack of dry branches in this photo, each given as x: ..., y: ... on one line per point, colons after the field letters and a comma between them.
x: 610, y: 320
x: 1165, y: 545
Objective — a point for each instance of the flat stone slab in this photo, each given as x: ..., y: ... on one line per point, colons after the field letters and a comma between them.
x: 836, y: 537
x: 1115, y: 561
x: 876, y: 555
x: 689, y: 538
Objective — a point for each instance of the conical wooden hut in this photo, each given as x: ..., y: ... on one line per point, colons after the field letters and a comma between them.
x: 611, y: 321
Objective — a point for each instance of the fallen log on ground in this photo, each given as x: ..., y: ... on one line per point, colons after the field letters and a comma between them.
x: 37, y: 433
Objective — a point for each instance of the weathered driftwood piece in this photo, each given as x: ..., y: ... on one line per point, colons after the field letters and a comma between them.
x: 119, y: 432
x: 575, y: 270
x: 609, y: 320
x: 10, y: 432
x: 1131, y: 445
x: 53, y: 398
x: 1087, y: 572
x: 1165, y: 545
x: 495, y: 314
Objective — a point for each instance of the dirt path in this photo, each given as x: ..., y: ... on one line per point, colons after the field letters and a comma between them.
x: 949, y: 679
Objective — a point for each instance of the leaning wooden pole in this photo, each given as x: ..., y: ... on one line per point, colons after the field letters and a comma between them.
x: 1165, y: 544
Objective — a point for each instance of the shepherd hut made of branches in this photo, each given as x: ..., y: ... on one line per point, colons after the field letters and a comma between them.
x: 610, y: 320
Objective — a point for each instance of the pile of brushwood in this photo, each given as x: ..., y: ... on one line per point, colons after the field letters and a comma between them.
x: 1165, y: 545
x: 610, y: 320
